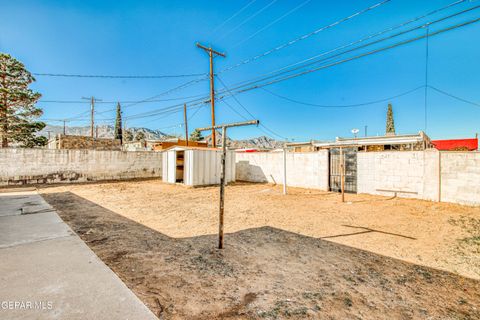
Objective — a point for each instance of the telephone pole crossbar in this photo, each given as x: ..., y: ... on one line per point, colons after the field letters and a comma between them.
x: 222, y: 172
x: 211, y: 54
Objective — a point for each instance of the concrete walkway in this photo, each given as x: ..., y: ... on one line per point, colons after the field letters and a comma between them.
x: 48, y: 272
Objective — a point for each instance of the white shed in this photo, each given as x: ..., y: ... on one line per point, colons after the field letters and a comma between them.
x: 196, y: 166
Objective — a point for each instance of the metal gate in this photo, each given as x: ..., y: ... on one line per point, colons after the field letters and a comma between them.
x: 350, y: 158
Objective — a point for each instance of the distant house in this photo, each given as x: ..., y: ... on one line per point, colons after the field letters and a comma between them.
x: 456, y: 144
x: 405, y: 142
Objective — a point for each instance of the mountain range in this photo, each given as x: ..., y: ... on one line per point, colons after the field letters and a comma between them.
x: 106, y: 131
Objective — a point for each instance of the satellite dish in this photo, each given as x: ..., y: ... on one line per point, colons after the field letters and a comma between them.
x: 355, y: 131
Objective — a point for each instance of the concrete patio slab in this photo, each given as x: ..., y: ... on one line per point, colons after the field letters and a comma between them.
x: 48, y: 272
x: 24, y: 202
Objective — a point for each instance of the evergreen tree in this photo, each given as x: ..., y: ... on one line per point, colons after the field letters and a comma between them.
x: 196, y: 136
x: 390, y: 130
x: 117, y: 132
x: 17, y: 105
x: 140, y: 136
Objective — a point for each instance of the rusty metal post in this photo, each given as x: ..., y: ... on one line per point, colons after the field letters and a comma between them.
x: 222, y: 172
x: 342, y: 174
x: 222, y: 188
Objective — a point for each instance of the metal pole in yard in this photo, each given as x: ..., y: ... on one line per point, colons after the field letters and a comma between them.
x: 284, y: 170
x: 222, y: 172
x: 342, y: 174
x: 222, y: 188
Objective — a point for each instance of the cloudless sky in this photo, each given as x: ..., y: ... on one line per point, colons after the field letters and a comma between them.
x: 158, y: 38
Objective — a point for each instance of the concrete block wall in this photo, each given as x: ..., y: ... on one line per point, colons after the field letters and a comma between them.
x: 29, y: 166
x: 393, y: 170
x: 460, y: 177
x: 305, y: 170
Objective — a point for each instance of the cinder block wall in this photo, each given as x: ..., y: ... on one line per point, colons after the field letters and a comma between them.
x: 306, y: 170
x: 460, y: 179
x: 29, y: 166
x: 393, y: 170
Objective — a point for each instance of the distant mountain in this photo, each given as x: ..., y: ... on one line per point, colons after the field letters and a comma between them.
x: 106, y: 131
x: 261, y: 142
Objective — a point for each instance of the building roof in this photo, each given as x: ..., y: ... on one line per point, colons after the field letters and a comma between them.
x: 378, y: 140
x: 456, y: 144
x: 192, y: 148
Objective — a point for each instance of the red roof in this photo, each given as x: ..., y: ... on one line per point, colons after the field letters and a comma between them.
x: 456, y: 144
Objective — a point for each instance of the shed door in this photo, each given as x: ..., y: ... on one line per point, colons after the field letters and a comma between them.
x: 350, y: 156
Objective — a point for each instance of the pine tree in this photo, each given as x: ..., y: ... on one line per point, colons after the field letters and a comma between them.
x: 17, y: 105
x: 390, y: 130
x: 117, y: 133
x: 196, y: 136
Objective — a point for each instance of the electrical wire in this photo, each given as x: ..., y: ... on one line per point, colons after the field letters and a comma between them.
x: 251, y: 86
x: 303, y: 37
x: 279, y: 72
x: 454, y: 96
x: 371, y: 36
x: 301, y: 5
x: 66, y: 75
x: 345, y: 105
x: 247, y: 19
x: 233, y: 16
x: 244, y: 108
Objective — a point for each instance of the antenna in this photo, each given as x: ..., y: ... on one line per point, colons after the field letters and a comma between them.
x: 355, y: 132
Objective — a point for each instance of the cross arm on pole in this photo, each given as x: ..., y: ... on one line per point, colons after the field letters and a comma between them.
x: 210, y: 50
x: 229, y: 125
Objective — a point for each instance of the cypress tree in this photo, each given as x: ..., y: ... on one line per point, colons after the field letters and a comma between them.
x: 390, y: 130
x: 117, y: 132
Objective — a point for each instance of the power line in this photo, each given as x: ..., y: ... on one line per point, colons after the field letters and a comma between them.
x: 303, y: 37
x: 345, y: 105
x: 248, y: 19
x: 66, y: 75
x: 371, y: 36
x: 244, y: 108
x: 233, y: 16
x: 455, y: 97
x: 119, y: 101
x: 251, y: 86
x: 279, y: 72
x: 273, y: 22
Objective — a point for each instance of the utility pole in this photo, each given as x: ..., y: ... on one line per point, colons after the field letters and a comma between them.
x: 342, y: 174
x: 366, y: 127
x: 92, y: 112
x: 64, y: 127
x: 211, y: 54
x: 185, y: 121
x: 222, y: 172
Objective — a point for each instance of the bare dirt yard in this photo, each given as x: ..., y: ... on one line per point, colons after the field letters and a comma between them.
x: 304, y: 255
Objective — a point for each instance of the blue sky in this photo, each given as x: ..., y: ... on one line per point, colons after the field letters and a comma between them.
x: 158, y: 38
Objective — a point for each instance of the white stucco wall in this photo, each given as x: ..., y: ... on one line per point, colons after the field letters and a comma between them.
x: 305, y: 170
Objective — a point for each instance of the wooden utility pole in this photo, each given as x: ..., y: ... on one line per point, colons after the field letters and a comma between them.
x: 64, y: 127
x: 222, y: 172
x: 211, y: 54
x: 185, y: 121
x: 92, y: 113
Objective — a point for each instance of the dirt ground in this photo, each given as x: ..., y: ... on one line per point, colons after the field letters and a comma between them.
x: 304, y: 255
